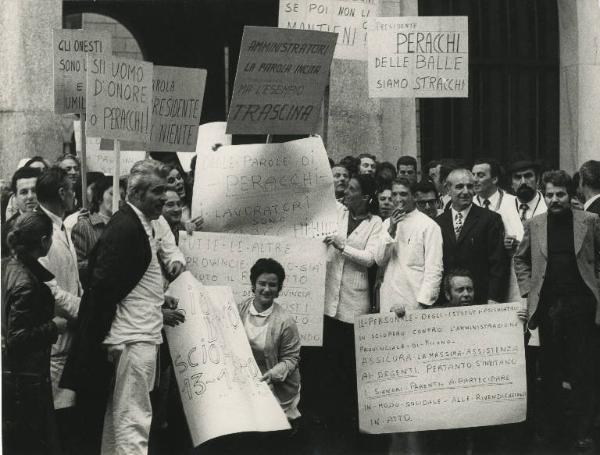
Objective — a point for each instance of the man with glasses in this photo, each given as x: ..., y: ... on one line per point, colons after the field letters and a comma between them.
x: 427, y: 198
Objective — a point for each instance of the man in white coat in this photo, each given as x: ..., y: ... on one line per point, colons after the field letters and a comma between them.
x: 410, y: 248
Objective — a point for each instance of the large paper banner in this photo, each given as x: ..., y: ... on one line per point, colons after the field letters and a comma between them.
x: 347, y: 18
x: 418, y: 57
x: 280, y: 81
x: 218, y: 379
x: 119, y: 98
x: 69, y: 52
x: 266, y: 189
x: 226, y: 259
x: 104, y: 161
x: 441, y: 368
x: 177, y: 95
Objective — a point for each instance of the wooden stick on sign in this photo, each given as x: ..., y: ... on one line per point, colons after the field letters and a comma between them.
x: 83, y: 164
x: 116, y: 175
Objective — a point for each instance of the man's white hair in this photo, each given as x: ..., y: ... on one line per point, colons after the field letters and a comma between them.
x: 138, y: 176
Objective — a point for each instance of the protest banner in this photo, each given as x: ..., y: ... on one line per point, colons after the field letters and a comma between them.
x: 104, y: 161
x: 266, y: 189
x: 440, y: 369
x: 119, y: 98
x: 280, y: 81
x: 226, y: 259
x: 418, y: 57
x: 217, y: 376
x: 70, y: 48
x: 347, y: 18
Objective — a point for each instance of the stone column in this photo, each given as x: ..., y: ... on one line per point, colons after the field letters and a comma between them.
x: 579, y: 37
x: 359, y: 124
x: 28, y: 125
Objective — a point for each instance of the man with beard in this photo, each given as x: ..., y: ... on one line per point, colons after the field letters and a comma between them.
x: 556, y: 264
x: 341, y: 177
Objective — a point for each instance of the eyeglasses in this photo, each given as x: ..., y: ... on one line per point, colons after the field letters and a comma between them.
x: 427, y: 202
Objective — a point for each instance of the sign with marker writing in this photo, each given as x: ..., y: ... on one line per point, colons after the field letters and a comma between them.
x: 226, y: 259
x: 266, y: 189
x: 104, y: 161
x: 70, y: 48
x: 418, y: 57
x: 347, y: 18
x: 217, y: 376
x: 119, y: 98
x: 280, y: 81
x: 441, y: 368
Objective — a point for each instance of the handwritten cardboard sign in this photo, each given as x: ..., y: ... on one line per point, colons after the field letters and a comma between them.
x: 441, y: 368
x: 119, y: 98
x: 418, y: 57
x: 70, y: 48
x: 104, y: 161
x: 347, y: 18
x: 226, y: 259
x: 218, y: 378
x: 266, y: 189
x: 280, y: 81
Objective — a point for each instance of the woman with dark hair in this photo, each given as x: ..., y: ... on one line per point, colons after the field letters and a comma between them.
x: 30, y: 329
x: 90, y: 225
x: 347, y: 294
x: 37, y: 162
x: 175, y: 180
x: 273, y: 335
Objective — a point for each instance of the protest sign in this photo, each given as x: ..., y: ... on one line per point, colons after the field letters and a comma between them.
x: 104, y: 161
x: 70, y: 48
x: 119, y: 98
x: 440, y: 368
x: 280, y: 81
x: 266, y: 189
x: 177, y: 95
x: 347, y: 18
x: 217, y: 376
x: 226, y: 259
x: 418, y: 57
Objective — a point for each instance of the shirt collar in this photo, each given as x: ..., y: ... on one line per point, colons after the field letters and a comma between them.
x: 56, y: 220
x: 142, y: 217
x: 264, y: 314
x: 464, y: 212
x: 590, y: 201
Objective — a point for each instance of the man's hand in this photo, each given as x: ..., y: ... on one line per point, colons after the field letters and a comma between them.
x: 510, y: 243
x: 336, y: 241
x: 399, y: 310
x: 172, y: 317
x: 523, y: 314
x: 175, y: 269
x: 267, y: 378
x: 194, y: 225
x: 170, y: 302
x: 396, y: 217
x: 492, y: 302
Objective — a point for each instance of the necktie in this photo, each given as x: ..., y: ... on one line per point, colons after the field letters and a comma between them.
x: 458, y: 224
x: 523, y: 208
x: 486, y: 204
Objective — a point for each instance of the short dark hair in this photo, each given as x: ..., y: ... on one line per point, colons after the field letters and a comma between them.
x: 430, y: 165
x: 37, y: 159
x: 494, y: 164
x: 267, y: 265
x: 27, y: 231
x: 24, y: 173
x: 559, y: 178
x: 426, y: 186
x: 590, y: 174
x: 368, y: 187
x: 407, y: 160
x: 366, y: 155
x: 454, y: 273
x: 98, y: 189
x: 50, y: 182
x: 381, y: 167
x: 405, y: 182
x: 351, y: 163
x: 383, y: 185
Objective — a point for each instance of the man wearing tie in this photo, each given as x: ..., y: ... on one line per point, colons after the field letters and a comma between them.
x: 474, y: 239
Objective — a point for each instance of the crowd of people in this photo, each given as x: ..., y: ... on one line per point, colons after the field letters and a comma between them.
x: 84, y: 304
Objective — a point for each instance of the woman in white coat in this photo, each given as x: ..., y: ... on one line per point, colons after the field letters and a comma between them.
x: 350, y: 253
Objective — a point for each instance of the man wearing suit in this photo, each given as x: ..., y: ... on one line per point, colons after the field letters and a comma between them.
x: 557, y: 265
x: 590, y: 185
x: 120, y: 320
x: 474, y: 239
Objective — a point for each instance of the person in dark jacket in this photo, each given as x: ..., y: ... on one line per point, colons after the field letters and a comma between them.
x: 30, y: 330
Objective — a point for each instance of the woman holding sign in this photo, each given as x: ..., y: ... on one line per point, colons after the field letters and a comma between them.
x: 273, y: 335
x: 350, y: 254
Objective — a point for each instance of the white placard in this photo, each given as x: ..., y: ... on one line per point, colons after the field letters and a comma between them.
x: 70, y: 48
x: 418, y: 57
x: 347, y: 18
x: 218, y: 378
x: 440, y: 369
x: 104, y: 160
x: 226, y: 259
x: 266, y: 189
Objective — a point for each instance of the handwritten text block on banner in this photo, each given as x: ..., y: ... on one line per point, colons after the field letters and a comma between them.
x: 441, y: 368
